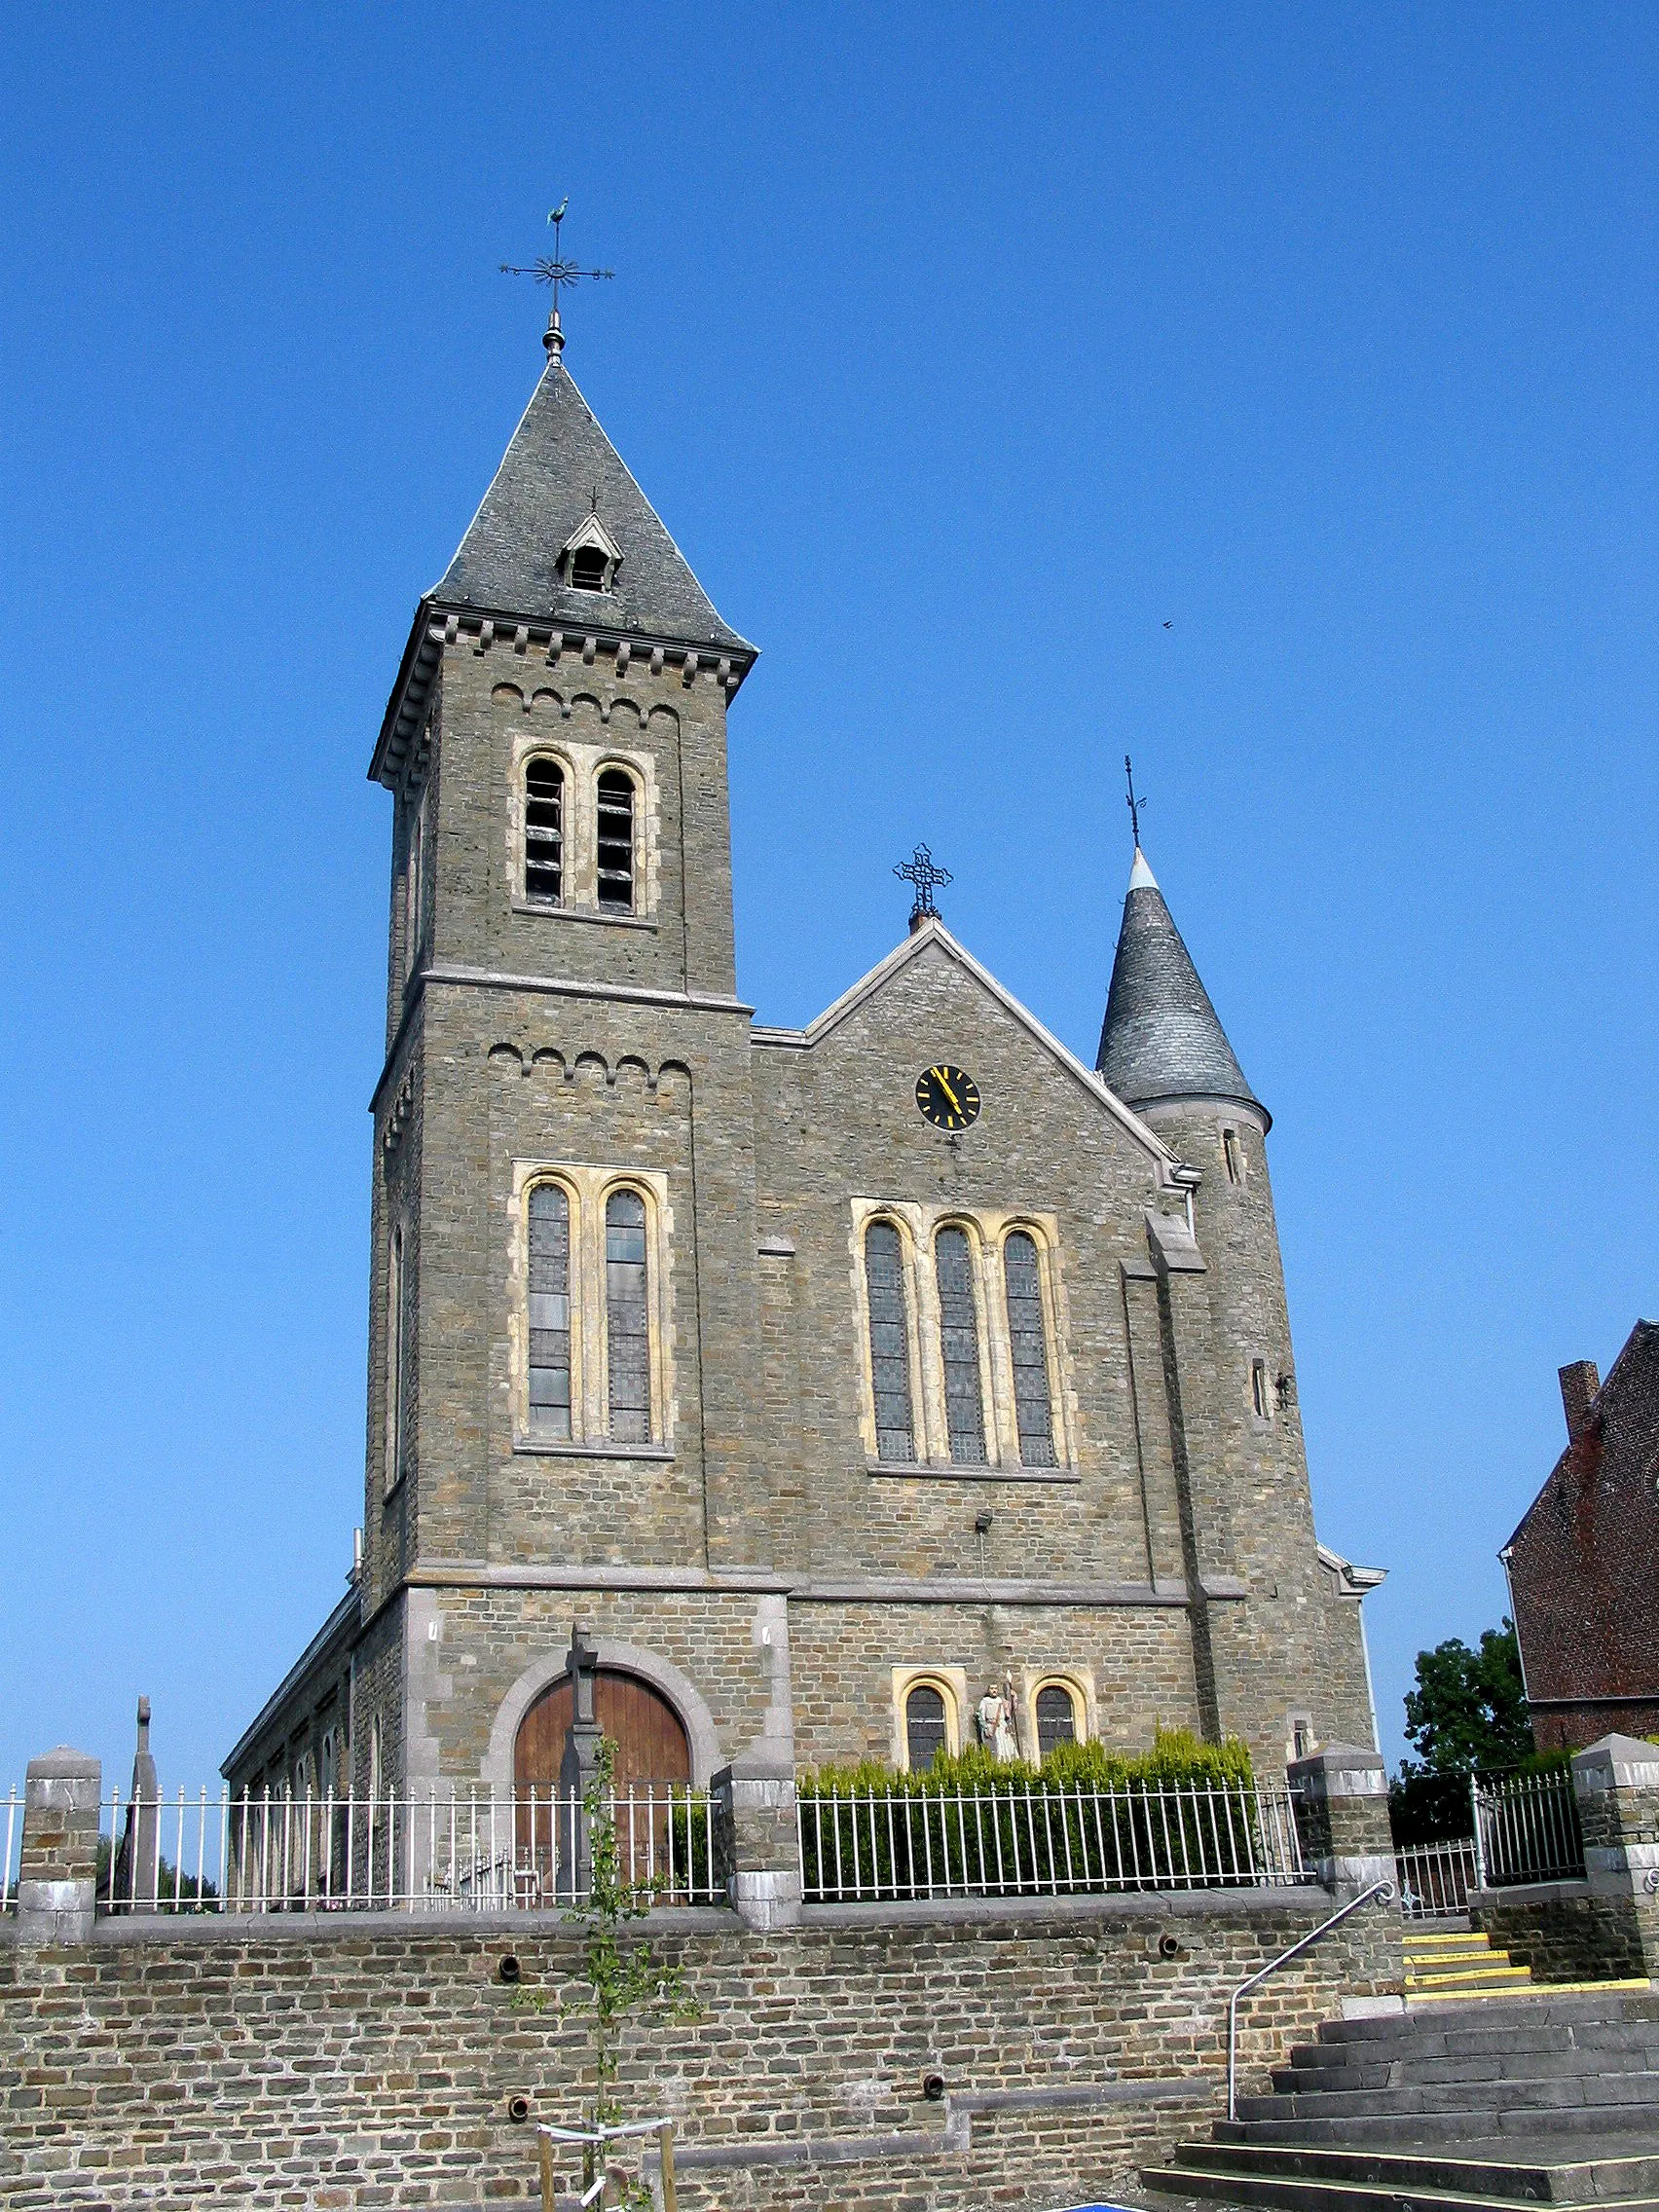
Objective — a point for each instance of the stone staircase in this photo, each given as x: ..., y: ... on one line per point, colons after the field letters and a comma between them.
x: 1455, y: 1968
x: 1475, y: 2098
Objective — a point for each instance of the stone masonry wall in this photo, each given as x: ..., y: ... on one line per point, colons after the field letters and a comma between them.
x: 1561, y: 1931
x: 348, y: 2064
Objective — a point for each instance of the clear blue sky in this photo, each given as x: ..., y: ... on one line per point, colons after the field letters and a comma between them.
x: 963, y: 348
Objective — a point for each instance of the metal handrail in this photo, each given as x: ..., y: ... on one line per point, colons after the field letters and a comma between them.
x: 1383, y: 1889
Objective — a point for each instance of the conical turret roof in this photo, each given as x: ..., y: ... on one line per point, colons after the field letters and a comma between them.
x: 559, y: 469
x: 1162, y: 1038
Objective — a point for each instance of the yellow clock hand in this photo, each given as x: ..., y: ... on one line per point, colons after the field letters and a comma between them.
x: 939, y: 1078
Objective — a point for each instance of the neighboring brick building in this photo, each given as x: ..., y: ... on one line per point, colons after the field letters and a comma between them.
x: 829, y: 1375
x: 1583, y: 1565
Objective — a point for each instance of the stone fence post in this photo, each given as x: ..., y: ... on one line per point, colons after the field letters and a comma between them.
x: 1342, y: 1804
x: 754, y: 1815
x: 58, y: 1874
x: 1616, y: 1783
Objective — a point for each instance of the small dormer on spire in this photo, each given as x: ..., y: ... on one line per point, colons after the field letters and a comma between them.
x: 590, y: 557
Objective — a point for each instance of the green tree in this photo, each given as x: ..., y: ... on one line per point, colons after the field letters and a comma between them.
x: 1468, y: 1713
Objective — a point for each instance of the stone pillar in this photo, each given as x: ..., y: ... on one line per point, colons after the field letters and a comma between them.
x: 57, y: 1876
x: 134, y: 1883
x: 1341, y: 1808
x: 1616, y: 1783
x: 754, y: 1814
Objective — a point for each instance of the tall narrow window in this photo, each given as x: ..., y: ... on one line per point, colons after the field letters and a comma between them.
x: 959, y: 1334
x: 1033, y: 1414
x: 1261, y: 1398
x: 544, y: 830
x: 399, y: 1357
x: 628, y: 1339
x: 889, y: 1342
x: 549, y: 1310
x: 1232, y: 1154
x: 1056, y: 1718
x: 924, y: 1727
x: 616, y: 840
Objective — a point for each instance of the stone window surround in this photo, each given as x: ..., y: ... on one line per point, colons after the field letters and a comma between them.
x: 584, y: 765
x: 1079, y: 1682
x: 951, y: 1683
x: 586, y: 1189
x: 987, y: 1231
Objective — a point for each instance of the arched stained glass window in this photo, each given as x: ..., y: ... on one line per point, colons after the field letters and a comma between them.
x: 889, y: 1342
x: 1056, y: 1718
x: 925, y: 1734
x: 544, y: 830
x: 627, y: 1334
x: 1033, y: 1413
x: 959, y: 1334
x: 549, y: 1310
x: 616, y: 840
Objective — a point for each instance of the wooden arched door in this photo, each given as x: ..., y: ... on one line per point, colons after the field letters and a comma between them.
x: 652, y: 1743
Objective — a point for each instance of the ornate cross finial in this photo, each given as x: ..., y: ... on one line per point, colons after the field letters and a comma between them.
x: 1137, y: 807
x: 922, y: 870
x: 556, y: 271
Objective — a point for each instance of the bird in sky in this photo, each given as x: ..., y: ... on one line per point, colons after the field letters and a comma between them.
x: 1169, y: 625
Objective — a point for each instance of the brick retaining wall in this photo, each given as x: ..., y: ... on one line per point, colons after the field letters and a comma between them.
x: 367, y: 2061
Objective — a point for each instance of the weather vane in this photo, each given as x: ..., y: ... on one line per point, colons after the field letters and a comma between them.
x: 1137, y: 807
x: 922, y: 870
x: 556, y: 271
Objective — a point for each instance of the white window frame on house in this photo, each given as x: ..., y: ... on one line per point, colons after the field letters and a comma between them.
x: 588, y: 1189
x: 582, y: 765
x: 951, y: 1683
x: 987, y: 1233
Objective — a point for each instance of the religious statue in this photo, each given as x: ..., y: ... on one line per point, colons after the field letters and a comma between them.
x: 995, y: 1716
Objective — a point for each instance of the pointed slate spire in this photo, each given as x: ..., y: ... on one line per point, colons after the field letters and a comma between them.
x: 1161, y: 1039
x: 559, y: 469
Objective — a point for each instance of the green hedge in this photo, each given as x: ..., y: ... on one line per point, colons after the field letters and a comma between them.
x: 1085, y: 1821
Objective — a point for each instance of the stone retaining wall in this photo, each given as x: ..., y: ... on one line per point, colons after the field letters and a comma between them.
x: 368, y: 2060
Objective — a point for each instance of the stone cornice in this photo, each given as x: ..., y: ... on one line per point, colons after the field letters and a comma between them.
x: 841, y: 1590
x: 437, y: 625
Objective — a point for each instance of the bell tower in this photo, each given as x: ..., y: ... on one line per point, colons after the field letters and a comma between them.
x: 561, y: 1020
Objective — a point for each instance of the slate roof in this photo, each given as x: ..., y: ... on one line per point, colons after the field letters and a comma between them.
x: 1162, y: 1038
x: 557, y: 459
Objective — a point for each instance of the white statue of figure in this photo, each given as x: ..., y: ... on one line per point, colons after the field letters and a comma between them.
x: 995, y: 1716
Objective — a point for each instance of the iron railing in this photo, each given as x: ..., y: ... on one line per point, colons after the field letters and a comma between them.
x: 13, y: 1809
x: 433, y: 1853
x: 866, y: 1844
x: 1526, y: 1829
x: 1434, y: 1879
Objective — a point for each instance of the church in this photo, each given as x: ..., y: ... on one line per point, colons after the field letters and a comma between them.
x: 834, y: 1379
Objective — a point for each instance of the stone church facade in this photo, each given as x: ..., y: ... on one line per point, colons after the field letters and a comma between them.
x: 828, y: 1376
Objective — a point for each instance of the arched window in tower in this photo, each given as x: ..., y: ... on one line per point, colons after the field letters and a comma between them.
x: 889, y: 1342
x: 1056, y: 1718
x: 925, y: 1732
x: 587, y: 568
x: 1027, y: 1340
x: 549, y: 1311
x: 959, y: 1335
x: 627, y: 1334
x: 544, y: 830
x: 616, y: 840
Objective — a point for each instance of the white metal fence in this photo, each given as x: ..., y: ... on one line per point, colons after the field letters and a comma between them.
x: 13, y: 1824
x: 475, y: 1853
x: 1527, y: 1829
x: 1434, y: 1879
x: 902, y: 1841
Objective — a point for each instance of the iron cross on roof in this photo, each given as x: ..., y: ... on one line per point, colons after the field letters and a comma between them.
x: 922, y: 870
x: 555, y: 271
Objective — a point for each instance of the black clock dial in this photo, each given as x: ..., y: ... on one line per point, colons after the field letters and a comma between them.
x: 948, y: 1097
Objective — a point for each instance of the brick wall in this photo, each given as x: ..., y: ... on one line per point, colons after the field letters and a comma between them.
x: 370, y: 2063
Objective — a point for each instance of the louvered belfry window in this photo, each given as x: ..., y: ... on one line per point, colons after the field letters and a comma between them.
x: 616, y: 840
x: 959, y: 1334
x: 1033, y: 1413
x: 549, y: 1310
x: 544, y: 830
x: 627, y: 1334
x: 889, y: 1342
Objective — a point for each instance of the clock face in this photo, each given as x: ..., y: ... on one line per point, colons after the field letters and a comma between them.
x: 948, y: 1097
